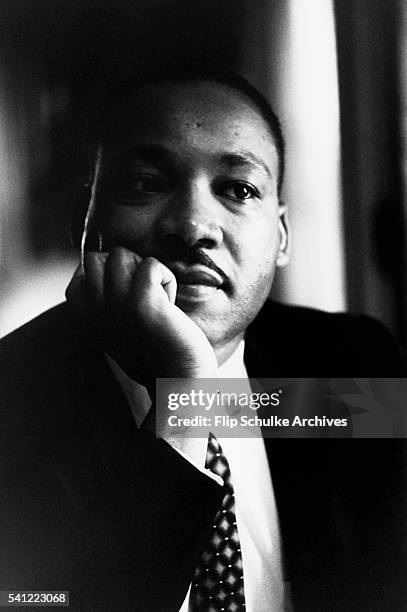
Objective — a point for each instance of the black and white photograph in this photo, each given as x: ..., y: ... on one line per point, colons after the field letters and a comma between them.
x: 203, y: 305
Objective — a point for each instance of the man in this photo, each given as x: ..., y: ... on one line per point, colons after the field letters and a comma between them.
x: 189, y: 227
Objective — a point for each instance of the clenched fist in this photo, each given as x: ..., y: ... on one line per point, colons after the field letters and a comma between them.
x: 131, y: 302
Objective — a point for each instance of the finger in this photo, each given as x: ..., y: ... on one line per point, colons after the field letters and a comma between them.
x: 94, y: 269
x: 120, y: 267
x: 154, y: 283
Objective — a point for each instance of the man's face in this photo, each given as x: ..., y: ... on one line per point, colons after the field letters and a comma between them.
x: 190, y: 177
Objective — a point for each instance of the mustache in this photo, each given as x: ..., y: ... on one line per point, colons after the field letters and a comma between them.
x: 195, y: 256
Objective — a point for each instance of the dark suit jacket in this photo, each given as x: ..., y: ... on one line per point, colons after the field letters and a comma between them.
x: 92, y: 505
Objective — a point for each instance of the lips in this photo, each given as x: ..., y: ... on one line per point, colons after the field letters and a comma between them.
x: 195, y: 284
x: 196, y: 275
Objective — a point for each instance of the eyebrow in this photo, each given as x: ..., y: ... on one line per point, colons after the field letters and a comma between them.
x: 244, y: 159
x: 156, y: 153
x: 149, y: 152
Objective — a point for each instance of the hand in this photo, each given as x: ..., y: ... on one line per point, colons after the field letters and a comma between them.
x: 131, y: 301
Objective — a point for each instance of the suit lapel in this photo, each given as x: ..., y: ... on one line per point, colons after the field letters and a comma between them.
x: 304, y: 488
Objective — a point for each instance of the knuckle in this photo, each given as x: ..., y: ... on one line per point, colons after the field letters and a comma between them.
x: 150, y: 261
x: 123, y: 252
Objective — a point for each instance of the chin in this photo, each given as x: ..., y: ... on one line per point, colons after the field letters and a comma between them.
x: 222, y: 321
x: 219, y: 329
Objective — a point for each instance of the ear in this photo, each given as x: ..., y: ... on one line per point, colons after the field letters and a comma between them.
x: 284, y: 231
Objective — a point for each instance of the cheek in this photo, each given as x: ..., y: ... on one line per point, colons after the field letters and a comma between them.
x: 255, y: 248
x: 125, y: 227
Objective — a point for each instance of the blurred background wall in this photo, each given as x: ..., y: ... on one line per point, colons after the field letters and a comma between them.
x: 333, y: 70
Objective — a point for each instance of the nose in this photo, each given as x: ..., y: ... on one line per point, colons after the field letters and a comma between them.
x: 191, y: 217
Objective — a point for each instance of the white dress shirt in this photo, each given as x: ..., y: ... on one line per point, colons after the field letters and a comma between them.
x: 256, y: 513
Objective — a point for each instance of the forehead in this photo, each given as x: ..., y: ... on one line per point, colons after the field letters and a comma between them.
x: 193, y: 115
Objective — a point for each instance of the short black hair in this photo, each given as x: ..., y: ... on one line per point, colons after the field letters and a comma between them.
x: 192, y: 72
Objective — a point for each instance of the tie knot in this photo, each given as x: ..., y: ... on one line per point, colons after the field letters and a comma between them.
x: 215, y: 459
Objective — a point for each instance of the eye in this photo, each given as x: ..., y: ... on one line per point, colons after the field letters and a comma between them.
x: 239, y: 190
x: 147, y: 184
